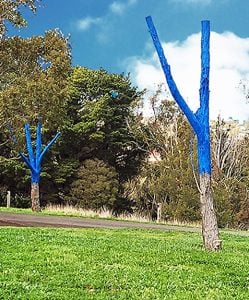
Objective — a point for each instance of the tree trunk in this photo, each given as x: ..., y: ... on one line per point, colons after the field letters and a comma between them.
x: 35, y: 199
x: 210, y: 231
x: 159, y: 212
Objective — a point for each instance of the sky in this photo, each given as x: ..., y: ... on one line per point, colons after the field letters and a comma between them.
x: 112, y: 34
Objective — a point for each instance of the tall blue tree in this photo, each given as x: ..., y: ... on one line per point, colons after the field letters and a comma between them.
x: 34, y: 160
x: 200, y: 124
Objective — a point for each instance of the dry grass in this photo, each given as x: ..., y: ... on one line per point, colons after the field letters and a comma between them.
x: 106, y: 213
x: 74, y: 211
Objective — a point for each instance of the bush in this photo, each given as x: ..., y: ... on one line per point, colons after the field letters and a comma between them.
x: 96, y: 186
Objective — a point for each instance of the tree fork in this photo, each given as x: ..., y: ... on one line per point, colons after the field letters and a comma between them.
x: 34, y: 160
x: 200, y: 124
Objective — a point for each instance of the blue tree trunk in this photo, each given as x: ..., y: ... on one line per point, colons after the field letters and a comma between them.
x: 200, y: 124
x: 34, y: 160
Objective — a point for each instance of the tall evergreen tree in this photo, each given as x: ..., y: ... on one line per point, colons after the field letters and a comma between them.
x: 98, y: 110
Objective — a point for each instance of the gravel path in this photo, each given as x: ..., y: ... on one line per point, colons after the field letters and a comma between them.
x: 29, y: 220
x: 36, y: 220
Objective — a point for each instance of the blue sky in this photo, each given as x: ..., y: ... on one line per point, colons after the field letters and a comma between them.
x: 112, y: 34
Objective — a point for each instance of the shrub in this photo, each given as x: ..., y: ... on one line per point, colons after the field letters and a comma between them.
x: 96, y: 185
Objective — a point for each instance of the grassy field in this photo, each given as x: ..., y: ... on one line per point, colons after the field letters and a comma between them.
x: 70, y: 264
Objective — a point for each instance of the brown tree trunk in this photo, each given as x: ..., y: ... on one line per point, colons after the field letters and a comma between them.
x: 159, y: 212
x: 35, y: 199
x: 210, y: 231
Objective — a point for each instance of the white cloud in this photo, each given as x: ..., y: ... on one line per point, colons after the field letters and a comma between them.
x: 229, y: 65
x: 118, y: 7
x: 86, y: 23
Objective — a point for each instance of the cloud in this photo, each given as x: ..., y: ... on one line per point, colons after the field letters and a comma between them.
x: 103, y: 34
x: 118, y: 7
x: 86, y: 23
x: 229, y: 66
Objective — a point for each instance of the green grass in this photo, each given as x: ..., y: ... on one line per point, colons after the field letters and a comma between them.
x: 16, y: 210
x: 108, y: 264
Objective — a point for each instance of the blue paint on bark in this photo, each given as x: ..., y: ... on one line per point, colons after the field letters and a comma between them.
x: 34, y: 160
x: 199, y: 120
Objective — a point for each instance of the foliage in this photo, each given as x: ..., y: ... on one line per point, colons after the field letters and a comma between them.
x: 168, y: 180
x: 119, y: 264
x: 13, y: 177
x: 11, y: 11
x: 95, y: 111
x: 167, y: 176
x: 100, y: 105
x: 96, y: 185
x: 75, y: 146
x: 34, y: 79
x: 230, y: 173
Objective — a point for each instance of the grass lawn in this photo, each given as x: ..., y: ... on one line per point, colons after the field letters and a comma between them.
x: 42, y: 263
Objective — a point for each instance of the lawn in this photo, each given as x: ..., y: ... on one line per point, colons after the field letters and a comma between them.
x: 42, y: 263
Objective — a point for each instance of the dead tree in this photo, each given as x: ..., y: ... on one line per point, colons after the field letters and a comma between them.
x: 200, y: 124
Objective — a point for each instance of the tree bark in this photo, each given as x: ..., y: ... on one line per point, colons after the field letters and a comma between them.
x: 35, y: 199
x: 210, y: 231
x: 159, y: 212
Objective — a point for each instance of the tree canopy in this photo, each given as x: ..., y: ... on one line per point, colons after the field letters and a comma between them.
x: 10, y: 11
x: 34, y: 79
x: 99, y: 118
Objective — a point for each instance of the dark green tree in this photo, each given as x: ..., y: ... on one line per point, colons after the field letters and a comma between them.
x: 96, y: 186
x: 100, y: 106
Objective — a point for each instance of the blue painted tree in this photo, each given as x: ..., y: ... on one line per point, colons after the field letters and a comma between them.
x: 34, y: 160
x: 200, y: 124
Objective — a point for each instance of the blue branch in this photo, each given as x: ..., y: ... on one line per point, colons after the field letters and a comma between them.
x: 29, y: 144
x: 48, y: 146
x: 204, y: 154
x: 34, y: 162
x: 169, y: 78
x: 200, y: 119
x: 25, y: 159
x: 205, y: 67
x: 38, y: 143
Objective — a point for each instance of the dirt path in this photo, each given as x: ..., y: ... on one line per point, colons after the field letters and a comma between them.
x: 28, y: 220
x: 36, y: 220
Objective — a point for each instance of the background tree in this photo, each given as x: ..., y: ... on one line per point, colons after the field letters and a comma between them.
x: 34, y: 79
x: 96, y: 125
x: 33, y: 85
x: 166, y: 175
x: 230, y: 173
x: 96, y: 186
x: 100, y: 105
x: 229, y: 149
x: 10, y: 10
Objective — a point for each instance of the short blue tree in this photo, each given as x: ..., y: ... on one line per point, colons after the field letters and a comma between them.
x: 34, y: 160
x: 200, y: 124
